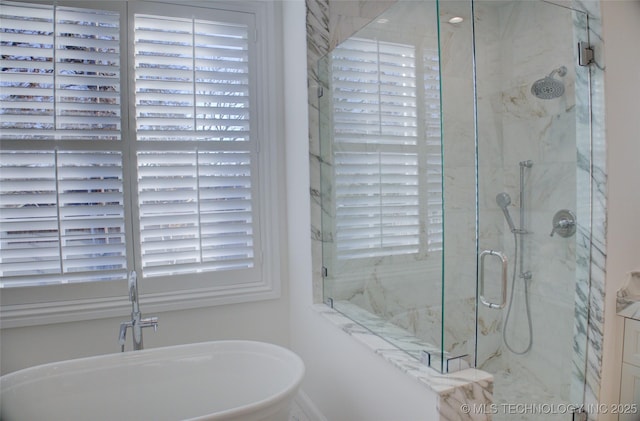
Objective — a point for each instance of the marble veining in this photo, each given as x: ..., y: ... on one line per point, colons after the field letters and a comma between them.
x: 328, y: 22
x: 594, y: 146
x: 469, y: 386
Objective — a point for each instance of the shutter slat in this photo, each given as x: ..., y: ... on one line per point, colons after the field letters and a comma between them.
x: 184, y: 268
x: 242, y: 216
x: 33, y: 266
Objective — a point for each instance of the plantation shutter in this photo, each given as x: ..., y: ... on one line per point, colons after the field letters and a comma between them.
x: 60, y: 73
x: 195, y: 211
x: 192, y: 80
x: 61, y: 201
x: 196, y: 155
x: 62, y: 217
x: 379, y: 149
x: 27, y: 83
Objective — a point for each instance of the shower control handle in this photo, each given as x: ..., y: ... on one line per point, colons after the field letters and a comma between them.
x: 564, y: 223
x: 504, y: 262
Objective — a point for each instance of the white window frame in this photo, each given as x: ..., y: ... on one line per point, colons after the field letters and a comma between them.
x: 27, y: 306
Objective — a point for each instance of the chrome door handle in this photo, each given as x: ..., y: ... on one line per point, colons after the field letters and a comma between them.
x: 503, y: 259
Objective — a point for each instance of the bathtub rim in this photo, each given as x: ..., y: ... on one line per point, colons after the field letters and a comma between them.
x: 132, y: 358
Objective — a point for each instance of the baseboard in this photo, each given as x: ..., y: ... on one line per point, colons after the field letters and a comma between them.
x: 303, y: 409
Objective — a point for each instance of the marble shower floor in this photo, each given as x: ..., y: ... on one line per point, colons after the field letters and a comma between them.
x: 519, y: 395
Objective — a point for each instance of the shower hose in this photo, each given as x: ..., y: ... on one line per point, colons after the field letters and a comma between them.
x: 526, y: 301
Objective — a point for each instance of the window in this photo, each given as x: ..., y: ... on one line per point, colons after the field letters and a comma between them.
x: 162, y: 169
x: 386, y: 150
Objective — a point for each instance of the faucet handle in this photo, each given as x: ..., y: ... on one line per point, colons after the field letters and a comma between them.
x: 564, y: 223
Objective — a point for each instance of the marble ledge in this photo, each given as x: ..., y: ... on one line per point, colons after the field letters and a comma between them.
x: 628, y: 297
x: 470, y: 386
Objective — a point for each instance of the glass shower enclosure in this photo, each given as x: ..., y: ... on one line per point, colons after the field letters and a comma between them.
x: 450, y: 190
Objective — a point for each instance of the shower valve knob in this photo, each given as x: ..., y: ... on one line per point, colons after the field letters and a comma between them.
x: 564, y: 223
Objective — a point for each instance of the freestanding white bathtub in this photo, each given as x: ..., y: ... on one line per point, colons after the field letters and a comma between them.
x: 221, y: 380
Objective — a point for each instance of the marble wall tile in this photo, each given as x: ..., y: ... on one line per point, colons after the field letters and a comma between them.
x: 528, y: 123
x: 347, y: 17
x: 592, y: 144
x: 520, y: 128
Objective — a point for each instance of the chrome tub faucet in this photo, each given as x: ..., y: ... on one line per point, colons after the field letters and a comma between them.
x: 137, y: 323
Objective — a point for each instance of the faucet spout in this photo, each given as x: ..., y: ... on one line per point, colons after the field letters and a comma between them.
x: 133, y: 292
x: 137, y: 323
x: 123, y: 334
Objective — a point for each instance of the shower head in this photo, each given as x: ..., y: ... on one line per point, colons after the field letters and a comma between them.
x: 503, y: 200
x: 549, y: 87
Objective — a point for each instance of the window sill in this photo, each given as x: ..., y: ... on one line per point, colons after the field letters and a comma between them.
x: 33, y: 314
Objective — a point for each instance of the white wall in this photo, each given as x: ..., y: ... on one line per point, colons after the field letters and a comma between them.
x: 24, y: 347
x: 344, y: 378
x: 621, y: 32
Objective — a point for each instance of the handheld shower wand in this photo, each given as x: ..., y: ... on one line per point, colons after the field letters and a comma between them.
x: 503, y: 200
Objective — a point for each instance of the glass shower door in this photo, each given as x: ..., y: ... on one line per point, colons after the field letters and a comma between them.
x: 531, y: 113
x: 449, y: 137
x: 381, y: 178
